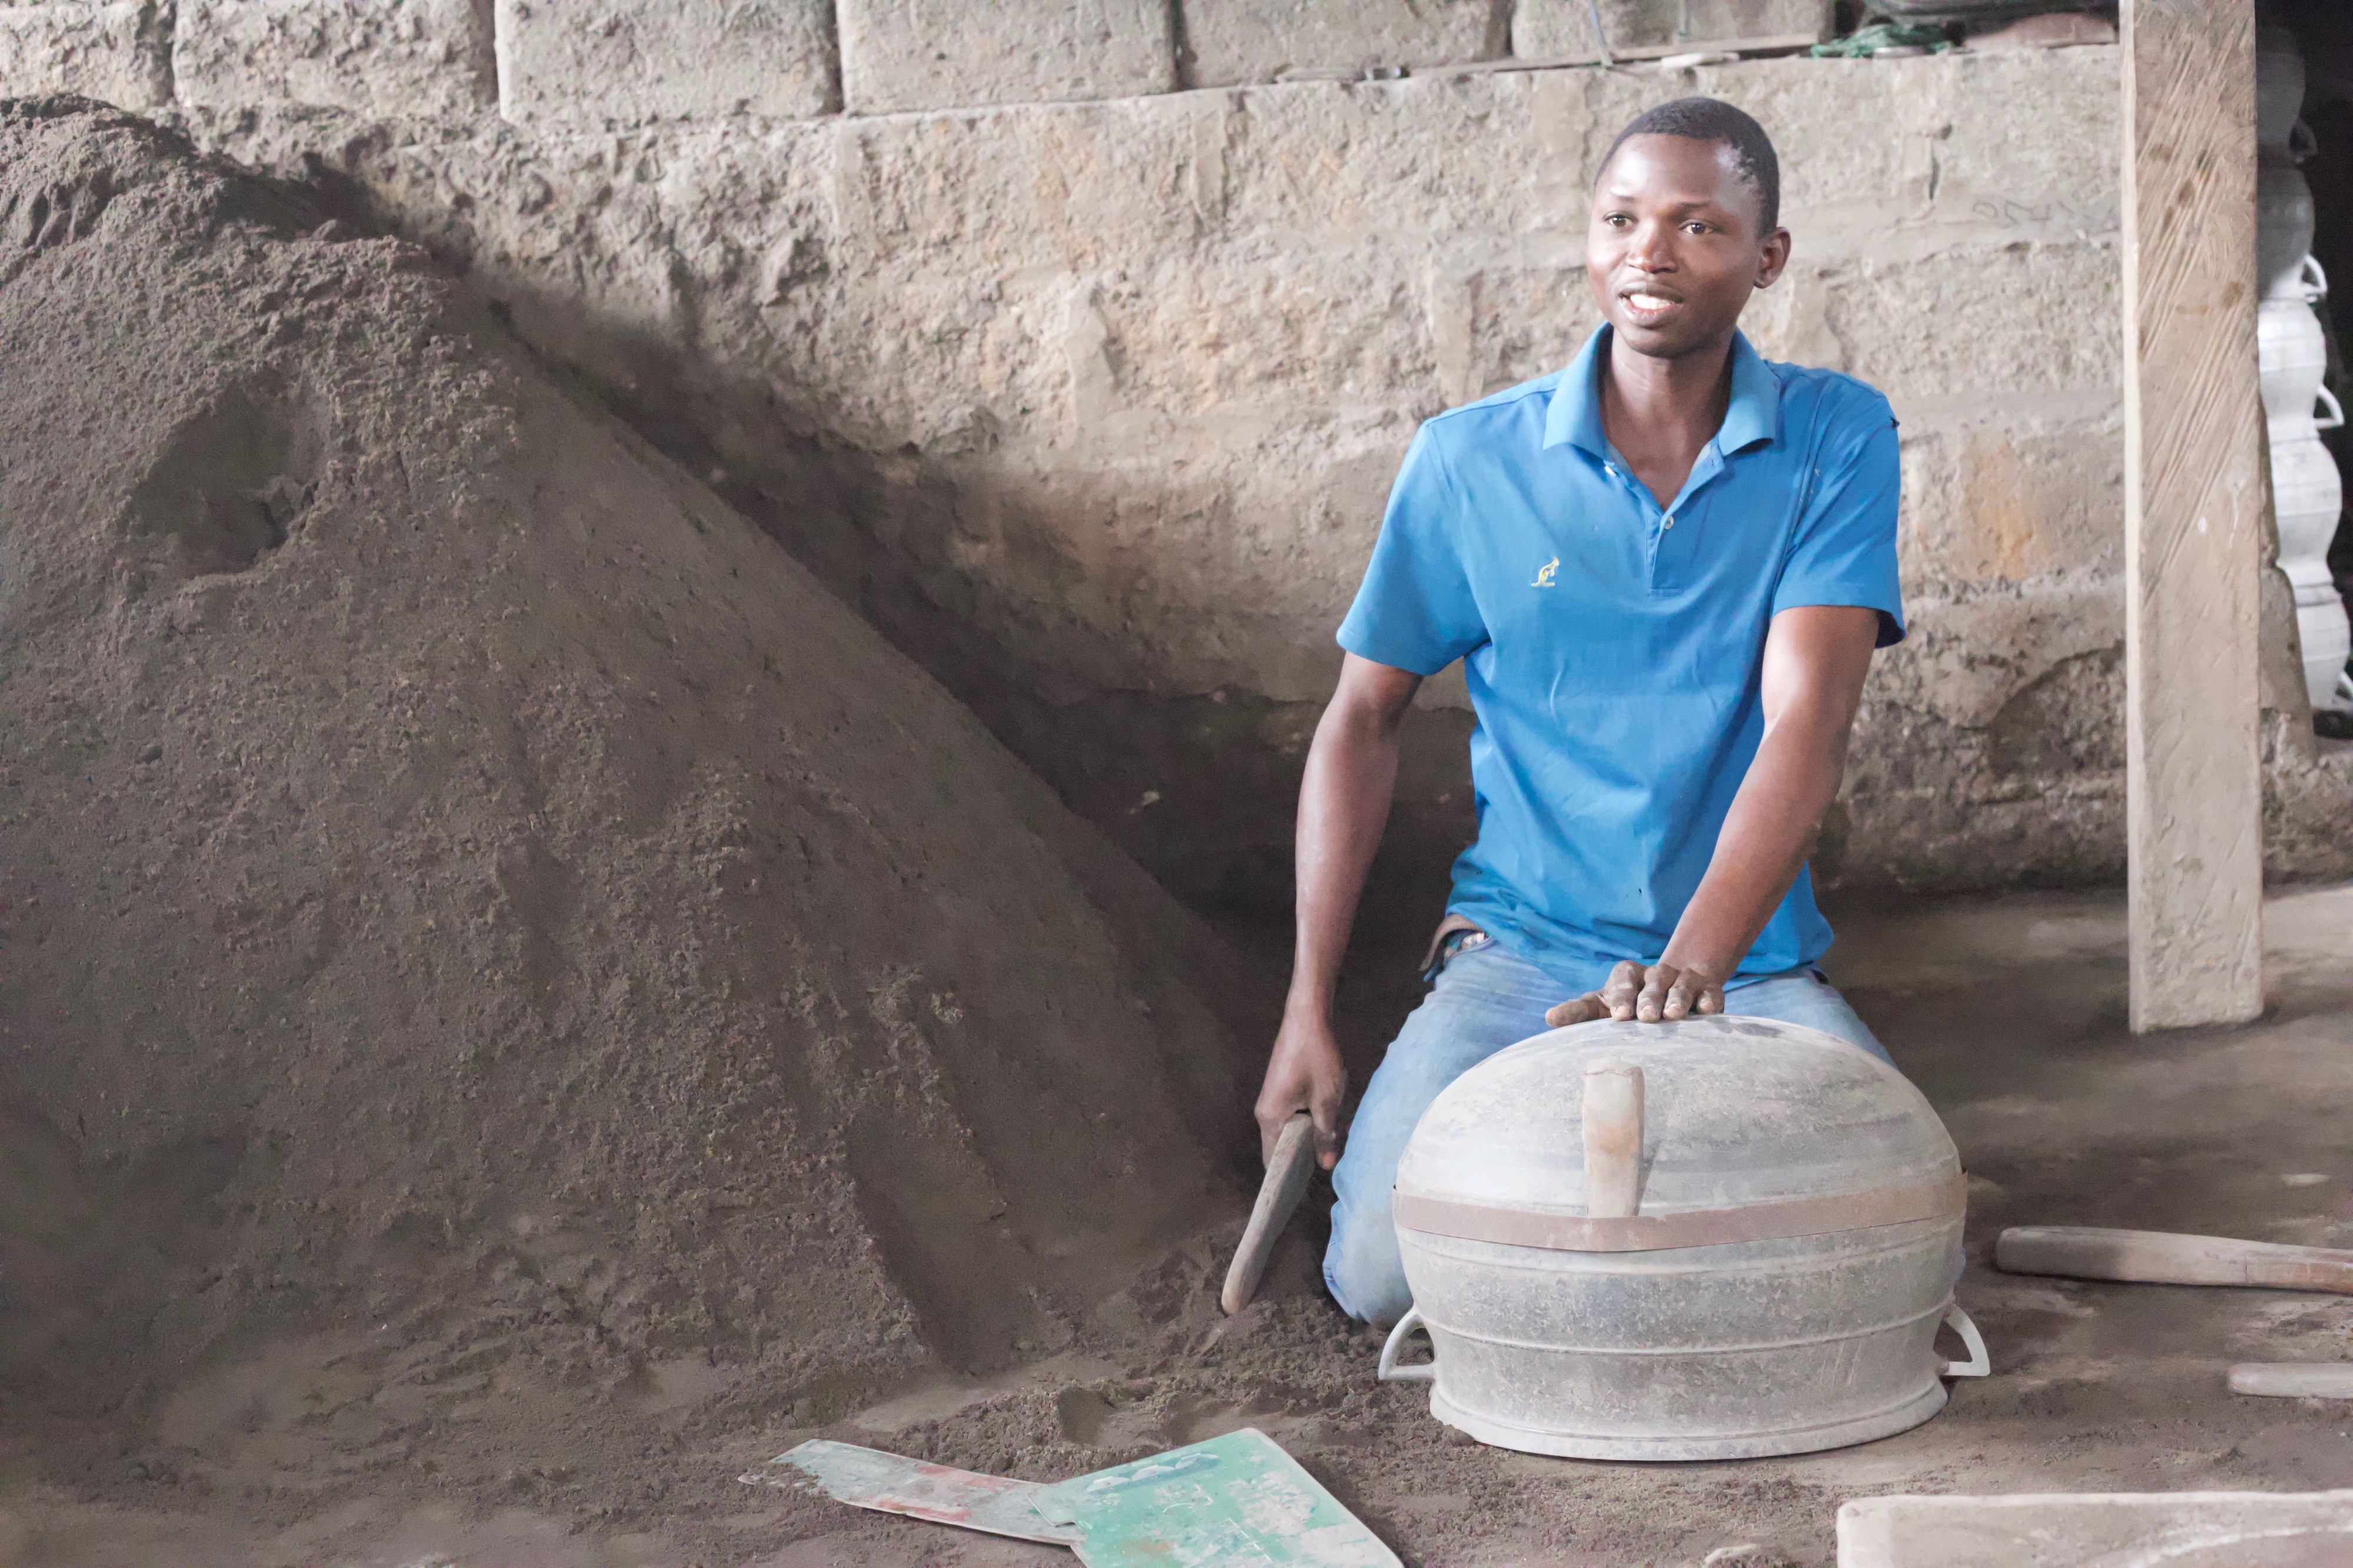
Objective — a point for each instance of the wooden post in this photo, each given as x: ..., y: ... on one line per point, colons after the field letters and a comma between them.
x: 2194, y: 513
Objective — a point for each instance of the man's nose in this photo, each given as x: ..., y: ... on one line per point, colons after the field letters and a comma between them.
x: 1652, y: 249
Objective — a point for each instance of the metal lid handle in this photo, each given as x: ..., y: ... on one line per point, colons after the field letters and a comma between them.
x: 1613, y: 1138
x: 1424, y: 1372
x: 1979, y: 1364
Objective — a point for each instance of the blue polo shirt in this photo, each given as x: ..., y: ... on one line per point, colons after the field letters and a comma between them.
x: 1612, y: 646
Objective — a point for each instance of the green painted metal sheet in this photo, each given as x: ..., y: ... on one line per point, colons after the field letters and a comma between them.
x: 1235, y: 1502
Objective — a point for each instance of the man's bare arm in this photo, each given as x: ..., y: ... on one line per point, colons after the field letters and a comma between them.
x: 1815, y: 658
x: 1344, y: 804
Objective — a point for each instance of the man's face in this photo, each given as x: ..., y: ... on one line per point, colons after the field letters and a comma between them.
x: 1674, y: 250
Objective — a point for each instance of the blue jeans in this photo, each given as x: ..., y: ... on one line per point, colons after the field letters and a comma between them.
x: 1483, y: 999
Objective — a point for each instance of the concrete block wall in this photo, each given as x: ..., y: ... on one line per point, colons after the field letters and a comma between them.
x: 1092, y: 403
x: 899, y: 56
x: 117, y: 50
x: 1563, y: 29
x: 431, y: 58
x: 563, y: 65
x: 1231, y: 42
x: 566, y: 64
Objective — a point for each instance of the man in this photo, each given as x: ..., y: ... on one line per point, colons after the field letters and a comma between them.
x: 1667, y: 568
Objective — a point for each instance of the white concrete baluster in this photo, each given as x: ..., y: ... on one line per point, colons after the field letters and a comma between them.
x: 2307, y: 491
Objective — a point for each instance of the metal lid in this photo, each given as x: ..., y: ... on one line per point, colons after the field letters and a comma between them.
x: 1751, y: 1129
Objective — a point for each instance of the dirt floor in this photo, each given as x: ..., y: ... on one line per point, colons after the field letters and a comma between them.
x: 2009, y: 1012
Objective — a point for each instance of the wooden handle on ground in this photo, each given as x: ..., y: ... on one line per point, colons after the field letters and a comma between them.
x: 2293, y: 1379
x: 1613, y: 1138
x: 2162, y: 1258
x: 1278, y: 1195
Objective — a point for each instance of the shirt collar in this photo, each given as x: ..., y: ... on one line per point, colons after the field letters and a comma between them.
x: 1754, y: 412
x: 1752, y: 415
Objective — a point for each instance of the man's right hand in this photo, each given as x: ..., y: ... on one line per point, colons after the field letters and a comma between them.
x: 1305, y: 1074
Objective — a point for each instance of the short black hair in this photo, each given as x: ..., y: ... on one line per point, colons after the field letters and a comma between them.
x: 1713, y: 120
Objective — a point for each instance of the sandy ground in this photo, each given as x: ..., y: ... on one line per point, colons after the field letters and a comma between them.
x: 2009, y: 1012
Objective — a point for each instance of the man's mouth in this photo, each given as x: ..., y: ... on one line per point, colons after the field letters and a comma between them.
x: 1648, y: 305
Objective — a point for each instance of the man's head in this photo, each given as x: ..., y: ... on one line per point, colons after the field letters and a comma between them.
x: 1686, y: 224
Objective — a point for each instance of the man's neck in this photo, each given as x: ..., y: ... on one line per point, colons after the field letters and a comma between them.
x: 1669, y: 394
x: 1659, y: 412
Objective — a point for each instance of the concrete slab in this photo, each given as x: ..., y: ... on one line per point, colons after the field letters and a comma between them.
x: 565, y: 67
x: 395, y: 59
x: 1229, y: 42
x: 2111, y: 1529
x: 901, y: 55
x: 111, y: 52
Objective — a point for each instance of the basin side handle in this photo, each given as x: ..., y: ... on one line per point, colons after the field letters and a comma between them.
x: 1613, y: 1138
x: 1980, y: 1363
x: 1389, y: 1370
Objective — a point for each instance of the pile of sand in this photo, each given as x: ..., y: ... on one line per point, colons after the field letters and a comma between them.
x: 463, y: 882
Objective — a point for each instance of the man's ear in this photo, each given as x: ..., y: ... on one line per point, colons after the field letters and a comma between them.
x: 1773, y: 257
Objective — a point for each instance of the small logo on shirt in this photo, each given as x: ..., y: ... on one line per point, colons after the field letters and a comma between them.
x: 1546, y: 572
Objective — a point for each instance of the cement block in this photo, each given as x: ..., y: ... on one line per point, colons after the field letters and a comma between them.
x: 2286, y: 1529
x: 1971, y: 654
x: 566, y: 66
x: 1965, y: 148
x: 109, y: 52
x: 900, y: 54
x: 1563, y: 29
x: 389, y: 59
x: 1987, y: 504
x: 2042, y: 322
x: 1229, y: 42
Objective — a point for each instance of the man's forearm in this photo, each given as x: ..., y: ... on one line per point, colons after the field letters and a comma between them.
x: 1815, y: 661
x: 1767, y: 836
x: 1344, y: 804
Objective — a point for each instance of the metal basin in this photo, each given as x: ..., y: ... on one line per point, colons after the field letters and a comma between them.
x: 1782, y: 1253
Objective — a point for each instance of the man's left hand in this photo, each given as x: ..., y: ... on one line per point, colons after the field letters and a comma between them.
x: 1663, y: 991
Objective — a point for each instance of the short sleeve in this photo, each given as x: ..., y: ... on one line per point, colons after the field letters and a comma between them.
x: 1844, y: 549
x: 1415, y: 610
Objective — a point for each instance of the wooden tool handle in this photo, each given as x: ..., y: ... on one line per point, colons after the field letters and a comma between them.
x: 2293, y: 1379
x: 1286, y: 1182
x: 2162, y: 1258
